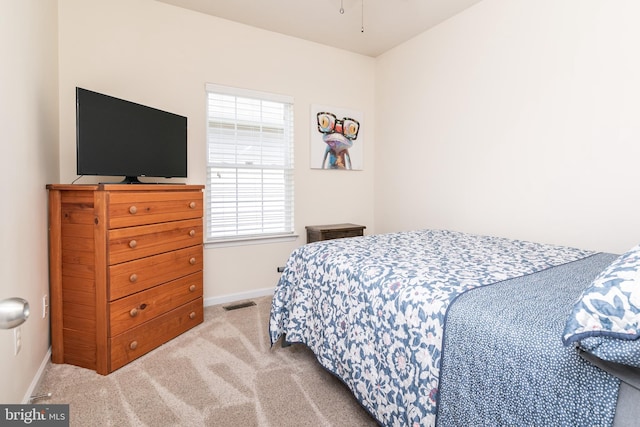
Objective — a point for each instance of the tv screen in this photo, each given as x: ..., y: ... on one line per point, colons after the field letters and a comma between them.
x: 115, y: 137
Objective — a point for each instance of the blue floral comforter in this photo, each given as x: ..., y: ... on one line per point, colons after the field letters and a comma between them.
x: 372, y: 308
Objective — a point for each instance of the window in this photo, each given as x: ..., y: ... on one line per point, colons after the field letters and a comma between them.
x: 249, y: 187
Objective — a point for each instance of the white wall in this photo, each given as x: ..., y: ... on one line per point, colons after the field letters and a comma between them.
x: 161, y: 55
x: 516, y: 118
x: 29, y: 160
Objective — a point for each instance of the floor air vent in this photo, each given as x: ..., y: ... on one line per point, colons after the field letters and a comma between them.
x: 239, y: 305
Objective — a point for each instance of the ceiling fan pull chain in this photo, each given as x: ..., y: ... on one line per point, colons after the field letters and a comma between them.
x: 342, y: 7
x: 362, y: 28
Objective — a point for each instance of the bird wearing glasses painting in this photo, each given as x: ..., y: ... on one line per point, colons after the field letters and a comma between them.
x: 339, y: 135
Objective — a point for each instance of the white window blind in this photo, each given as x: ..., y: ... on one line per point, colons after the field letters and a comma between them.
x: 249, y: 164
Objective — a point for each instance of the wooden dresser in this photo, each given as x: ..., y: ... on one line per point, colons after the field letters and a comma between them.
x: 125, y: 266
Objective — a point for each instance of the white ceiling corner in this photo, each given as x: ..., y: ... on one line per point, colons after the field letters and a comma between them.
x: 386, y: 23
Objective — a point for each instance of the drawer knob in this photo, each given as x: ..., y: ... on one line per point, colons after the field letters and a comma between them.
x: 192, y: 233
x: 133, y: 312
x: 192, y: 205
x: 133, y: 277
x: 133, y: 244
x: 192, y: 261
x: 133, y: 345
x: 133, y: 210
x: 192, y: 315
x: 192, y: 288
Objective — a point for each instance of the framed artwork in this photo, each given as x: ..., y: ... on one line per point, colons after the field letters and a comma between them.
x: 337, y: 138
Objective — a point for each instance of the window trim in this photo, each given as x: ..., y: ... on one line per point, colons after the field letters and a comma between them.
x: 254, y: 240
x: 231, y: 241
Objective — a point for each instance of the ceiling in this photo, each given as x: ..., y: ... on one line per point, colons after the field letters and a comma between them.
x: 369, y: 27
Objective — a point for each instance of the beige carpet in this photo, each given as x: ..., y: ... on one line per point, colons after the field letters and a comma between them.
x: 221, y: 373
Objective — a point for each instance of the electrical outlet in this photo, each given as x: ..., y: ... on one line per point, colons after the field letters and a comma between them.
x: 17, y: 340
x: 45, y: 306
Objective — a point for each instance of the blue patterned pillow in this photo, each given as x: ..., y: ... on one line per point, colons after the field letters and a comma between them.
x: 605, y: 321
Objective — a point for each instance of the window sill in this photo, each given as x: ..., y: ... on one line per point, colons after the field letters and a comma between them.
x: 244, y: 241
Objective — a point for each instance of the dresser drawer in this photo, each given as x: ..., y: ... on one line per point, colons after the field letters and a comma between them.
x: 144, y: 338
x: 340, y: 234
x: 140, y: 307
x: 140, y: 208
x: 134, y: 276
x: 126, y: 244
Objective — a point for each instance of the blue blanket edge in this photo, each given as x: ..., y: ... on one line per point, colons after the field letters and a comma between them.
x: 453, y: 302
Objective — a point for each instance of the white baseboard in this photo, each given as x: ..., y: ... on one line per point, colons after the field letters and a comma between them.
x: 238, y: 297
x: 36, y: 380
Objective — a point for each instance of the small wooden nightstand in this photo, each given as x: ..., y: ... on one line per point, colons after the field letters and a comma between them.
x: 316, y: 233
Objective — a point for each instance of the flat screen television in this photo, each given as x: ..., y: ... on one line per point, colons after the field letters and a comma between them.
x: 115, y: 137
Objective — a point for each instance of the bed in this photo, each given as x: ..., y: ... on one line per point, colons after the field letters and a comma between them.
x: 436, y: 327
